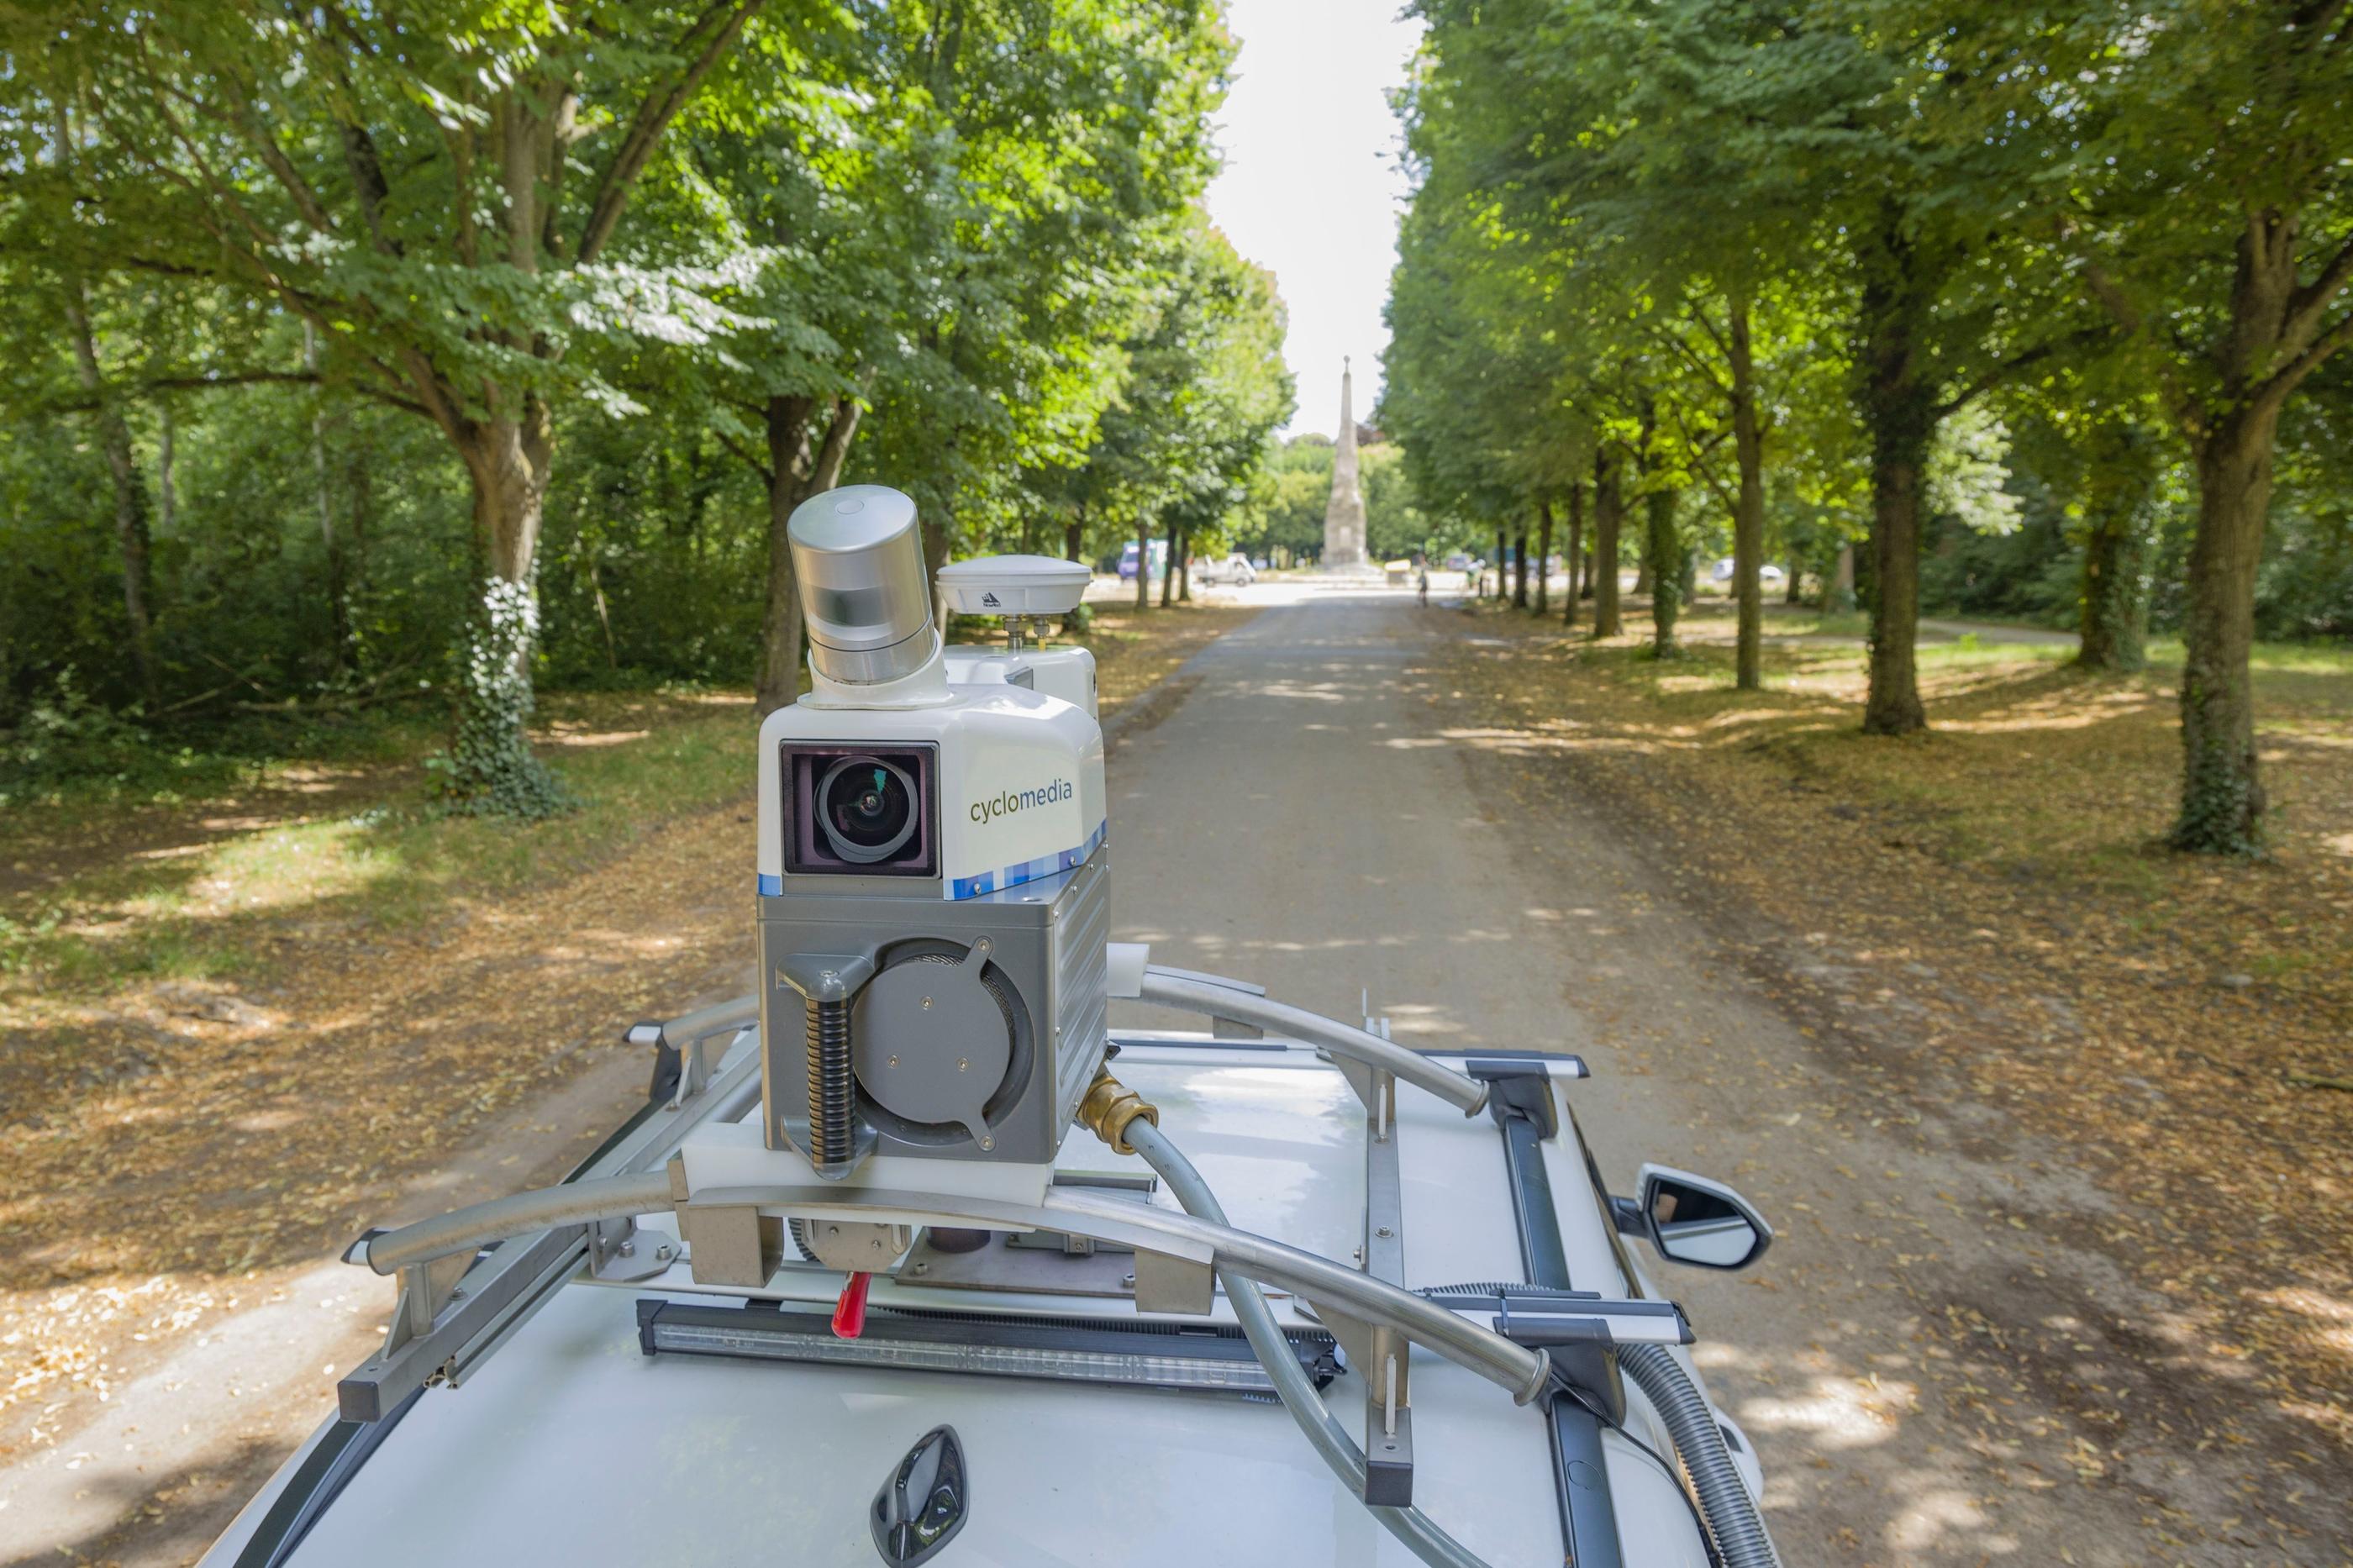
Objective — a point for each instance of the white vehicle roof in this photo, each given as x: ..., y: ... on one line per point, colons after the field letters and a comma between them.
x: 573, y: 1445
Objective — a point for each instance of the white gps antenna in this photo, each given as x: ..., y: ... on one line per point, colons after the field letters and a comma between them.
x: 1017, y: 589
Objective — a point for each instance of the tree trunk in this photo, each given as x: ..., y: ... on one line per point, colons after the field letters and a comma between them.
x: 1838, y: 591
x: 167, y: 492
x: 1642, y: 573
x: 2222, y: 797
x: 359, y: 476
x: 1143, y: 563
x: 339, y: 617
x: 1502, y: 565
x: 1074, y: 533
x: 2114, y: 606
x: 1185, y: 566
x: 1749, y: 512
x: 779, y: 677
x: 1575, y: 553
x: 1543, y: 551
x: 1608, y: 512
x: 1520, y: 570
x: 491, y: 768
x: 1899, y: 409
x: 131, y: 534
x: 1662, y: 557
x: 508, y: 462
x: 1793, y: 592
x: 1168, y: 568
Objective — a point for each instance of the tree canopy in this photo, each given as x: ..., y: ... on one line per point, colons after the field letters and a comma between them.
x: 453, y: 342
x: 1902, y: 274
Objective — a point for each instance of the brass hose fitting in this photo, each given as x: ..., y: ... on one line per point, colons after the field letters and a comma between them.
x: 1109, y: 1106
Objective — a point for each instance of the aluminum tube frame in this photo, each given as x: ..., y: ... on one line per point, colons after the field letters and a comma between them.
x: 732, y: 1013
x: 1073, y: 1210
x: 1413, y: 1529
x: 1227, y: 1000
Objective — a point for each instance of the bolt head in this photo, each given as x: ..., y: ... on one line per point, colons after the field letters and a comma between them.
x: 1127, y: 1279
x: 629, y: 1250
x: 964, y: 1064
x: 1383, y: 1231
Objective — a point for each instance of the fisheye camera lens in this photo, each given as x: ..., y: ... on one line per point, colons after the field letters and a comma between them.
x: 866, y: 808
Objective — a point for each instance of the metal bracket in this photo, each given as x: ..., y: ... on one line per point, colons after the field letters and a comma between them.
x: 424, y: 1289
x: 1388, y: 1424
x: 1381, y: 1356
x: 617, y: 1255
x: 499, y: 1292
x: 1165, y: 1283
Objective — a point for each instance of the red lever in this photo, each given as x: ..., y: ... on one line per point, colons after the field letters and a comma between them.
x: 850, y: 1312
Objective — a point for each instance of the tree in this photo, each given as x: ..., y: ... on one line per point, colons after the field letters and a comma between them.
x: 434, y: 188
x: 1204, y: 390
x: 2187, y: 162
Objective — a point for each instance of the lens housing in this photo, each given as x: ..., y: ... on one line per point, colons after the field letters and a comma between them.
x: 860, y: 811
x: 867, y: 809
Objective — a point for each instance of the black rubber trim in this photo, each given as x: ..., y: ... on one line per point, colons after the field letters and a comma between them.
x: 1588, y: 1518
x: 669, y: 1064
x: 1189, y: 1341
x: 323, y: 1473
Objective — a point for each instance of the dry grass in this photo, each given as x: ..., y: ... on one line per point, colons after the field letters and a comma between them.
x: 234, y: 1029
x: 1990, y: 904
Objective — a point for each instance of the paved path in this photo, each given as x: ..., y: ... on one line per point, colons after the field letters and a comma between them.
x: 1307, y: 819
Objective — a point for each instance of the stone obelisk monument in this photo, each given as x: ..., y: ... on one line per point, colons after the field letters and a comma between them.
x: 1344, y: 514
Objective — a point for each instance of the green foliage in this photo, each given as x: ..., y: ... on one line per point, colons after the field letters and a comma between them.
x: 365, y: 366
x: 489, y: 770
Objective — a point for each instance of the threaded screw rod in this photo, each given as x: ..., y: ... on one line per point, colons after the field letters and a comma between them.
x: 831, y: 1086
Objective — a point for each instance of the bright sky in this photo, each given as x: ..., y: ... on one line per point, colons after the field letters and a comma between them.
x: 1311, y: 186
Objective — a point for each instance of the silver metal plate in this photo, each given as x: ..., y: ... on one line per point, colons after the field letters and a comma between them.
x: 1033, y: 1270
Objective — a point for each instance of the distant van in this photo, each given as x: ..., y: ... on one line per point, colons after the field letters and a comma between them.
x: 1159, y: 560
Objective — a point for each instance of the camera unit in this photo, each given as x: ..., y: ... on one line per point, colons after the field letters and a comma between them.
x: 933, y: 884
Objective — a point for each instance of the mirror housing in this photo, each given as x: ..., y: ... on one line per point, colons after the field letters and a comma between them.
x: 1692, y: 1220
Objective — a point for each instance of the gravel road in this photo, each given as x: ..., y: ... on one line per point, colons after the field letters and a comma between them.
x: 1309, y: 818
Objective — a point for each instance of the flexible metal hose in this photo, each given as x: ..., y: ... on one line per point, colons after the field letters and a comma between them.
x: 1733, y: 1517
x: 1323, y: 1434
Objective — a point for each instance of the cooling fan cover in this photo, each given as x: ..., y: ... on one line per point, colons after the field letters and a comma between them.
x: 942, y: 1046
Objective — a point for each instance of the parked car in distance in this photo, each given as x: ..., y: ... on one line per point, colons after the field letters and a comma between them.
x: 1768, y: 574
x: 1235, y: 569
x: 1458, y: 562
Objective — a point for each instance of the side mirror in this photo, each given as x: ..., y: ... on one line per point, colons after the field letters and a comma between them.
x: 924, y: 1502
x: 1690, y: 1219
